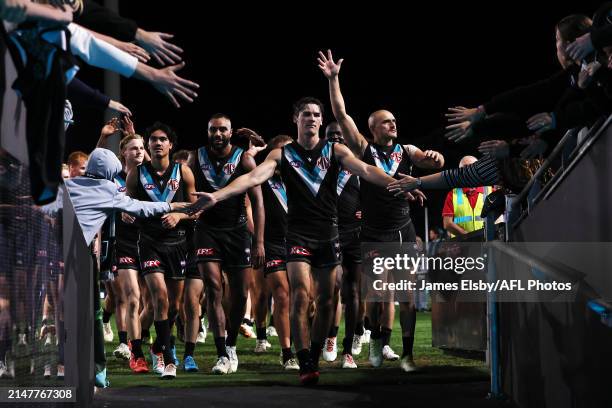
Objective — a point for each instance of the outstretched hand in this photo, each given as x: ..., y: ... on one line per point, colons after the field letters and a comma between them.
x: 156, y: 44
x: 459, y: 131
x: 580, y: 48
x: 253, y: 137
x: 460, y: 114
x: 172, y: 86
x: 327, y: 65
x: 407, y: 183
x: 498, y: 149
x: 128, y: 126
x: 110, y: 128
x: 203, y: 203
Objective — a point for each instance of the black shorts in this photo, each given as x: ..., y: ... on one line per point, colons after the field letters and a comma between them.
x: 126, y: 255
x: 192, y: 271
x: 319, y: 254
x: 231, y: 248
x: 276, y: 257
x: 350, y: 243
x: 166, y: 258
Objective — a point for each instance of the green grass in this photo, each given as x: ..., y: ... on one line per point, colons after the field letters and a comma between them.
x: 265, y: 369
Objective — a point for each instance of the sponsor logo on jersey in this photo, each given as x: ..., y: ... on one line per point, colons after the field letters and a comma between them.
x: 205, y: 251
x: 229, y: 168
x: 297, y: 164
x: 206, y: 166
x: 323, y: 163
x: 276, y: 185
x: 173, y: 184
x: 348, y: 173
x: 396, y: 156
x: 298, y: 250
x: 151, y: 264
x: 126, y: 260
x: 149, y: 186
x: 274, y: 262
x: 122, y: 189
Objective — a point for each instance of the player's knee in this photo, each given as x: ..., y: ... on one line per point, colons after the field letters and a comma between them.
x: 281, y: 298
x: 300, y: 298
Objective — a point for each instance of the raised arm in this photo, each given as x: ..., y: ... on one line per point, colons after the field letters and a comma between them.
x: 354, y: 139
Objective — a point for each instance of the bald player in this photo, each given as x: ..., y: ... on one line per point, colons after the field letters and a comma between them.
x: 385, y: 218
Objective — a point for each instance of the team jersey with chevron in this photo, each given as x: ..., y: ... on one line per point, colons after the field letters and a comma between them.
x: 311, y: 178
x: 382, y: 211
x: 275, y: 204
x: 348, y: 201
x: 169, y: 187
x: 123, y: 231
x: 213, y: 173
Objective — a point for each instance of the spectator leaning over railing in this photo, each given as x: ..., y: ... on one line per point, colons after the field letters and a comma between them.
x: 537, y: 108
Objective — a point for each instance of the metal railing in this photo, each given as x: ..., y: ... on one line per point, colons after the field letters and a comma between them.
x: 594, y: 133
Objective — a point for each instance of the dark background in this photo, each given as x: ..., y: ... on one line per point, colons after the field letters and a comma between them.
x: 253, y: 62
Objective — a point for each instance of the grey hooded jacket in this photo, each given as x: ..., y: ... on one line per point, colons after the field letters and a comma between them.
x: 95, y: 196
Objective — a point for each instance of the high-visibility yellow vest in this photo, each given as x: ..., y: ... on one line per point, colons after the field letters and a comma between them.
x: 466, y: 217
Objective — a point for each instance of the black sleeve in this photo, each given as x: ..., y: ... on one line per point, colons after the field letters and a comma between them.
x: 525, y: 101
x: 104, y: 21
x: 580, y: 113
x: 583, y: 109
x: 602, y: 37
x: 81, y: 94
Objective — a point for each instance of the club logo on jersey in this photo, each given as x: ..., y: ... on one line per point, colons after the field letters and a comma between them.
x: 323, y: 163
x: 297, y: 164
x: 214, y: 179
x: 274, y: 263
x: 126, y: 260
x: 229, y: 168
x: 151, y: 264
x: 298, y: 250
x: 205, y: 251
x: 347, y: 173
x: 311, y: 177
x: 396, y: 156
x: 151, y: 188
x: 388, y: 166
x: 173, y: 184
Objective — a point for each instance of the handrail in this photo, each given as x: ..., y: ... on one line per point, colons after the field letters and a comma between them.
x: 582, y: 149
x: 544, y: 167
x: 569, y: 274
